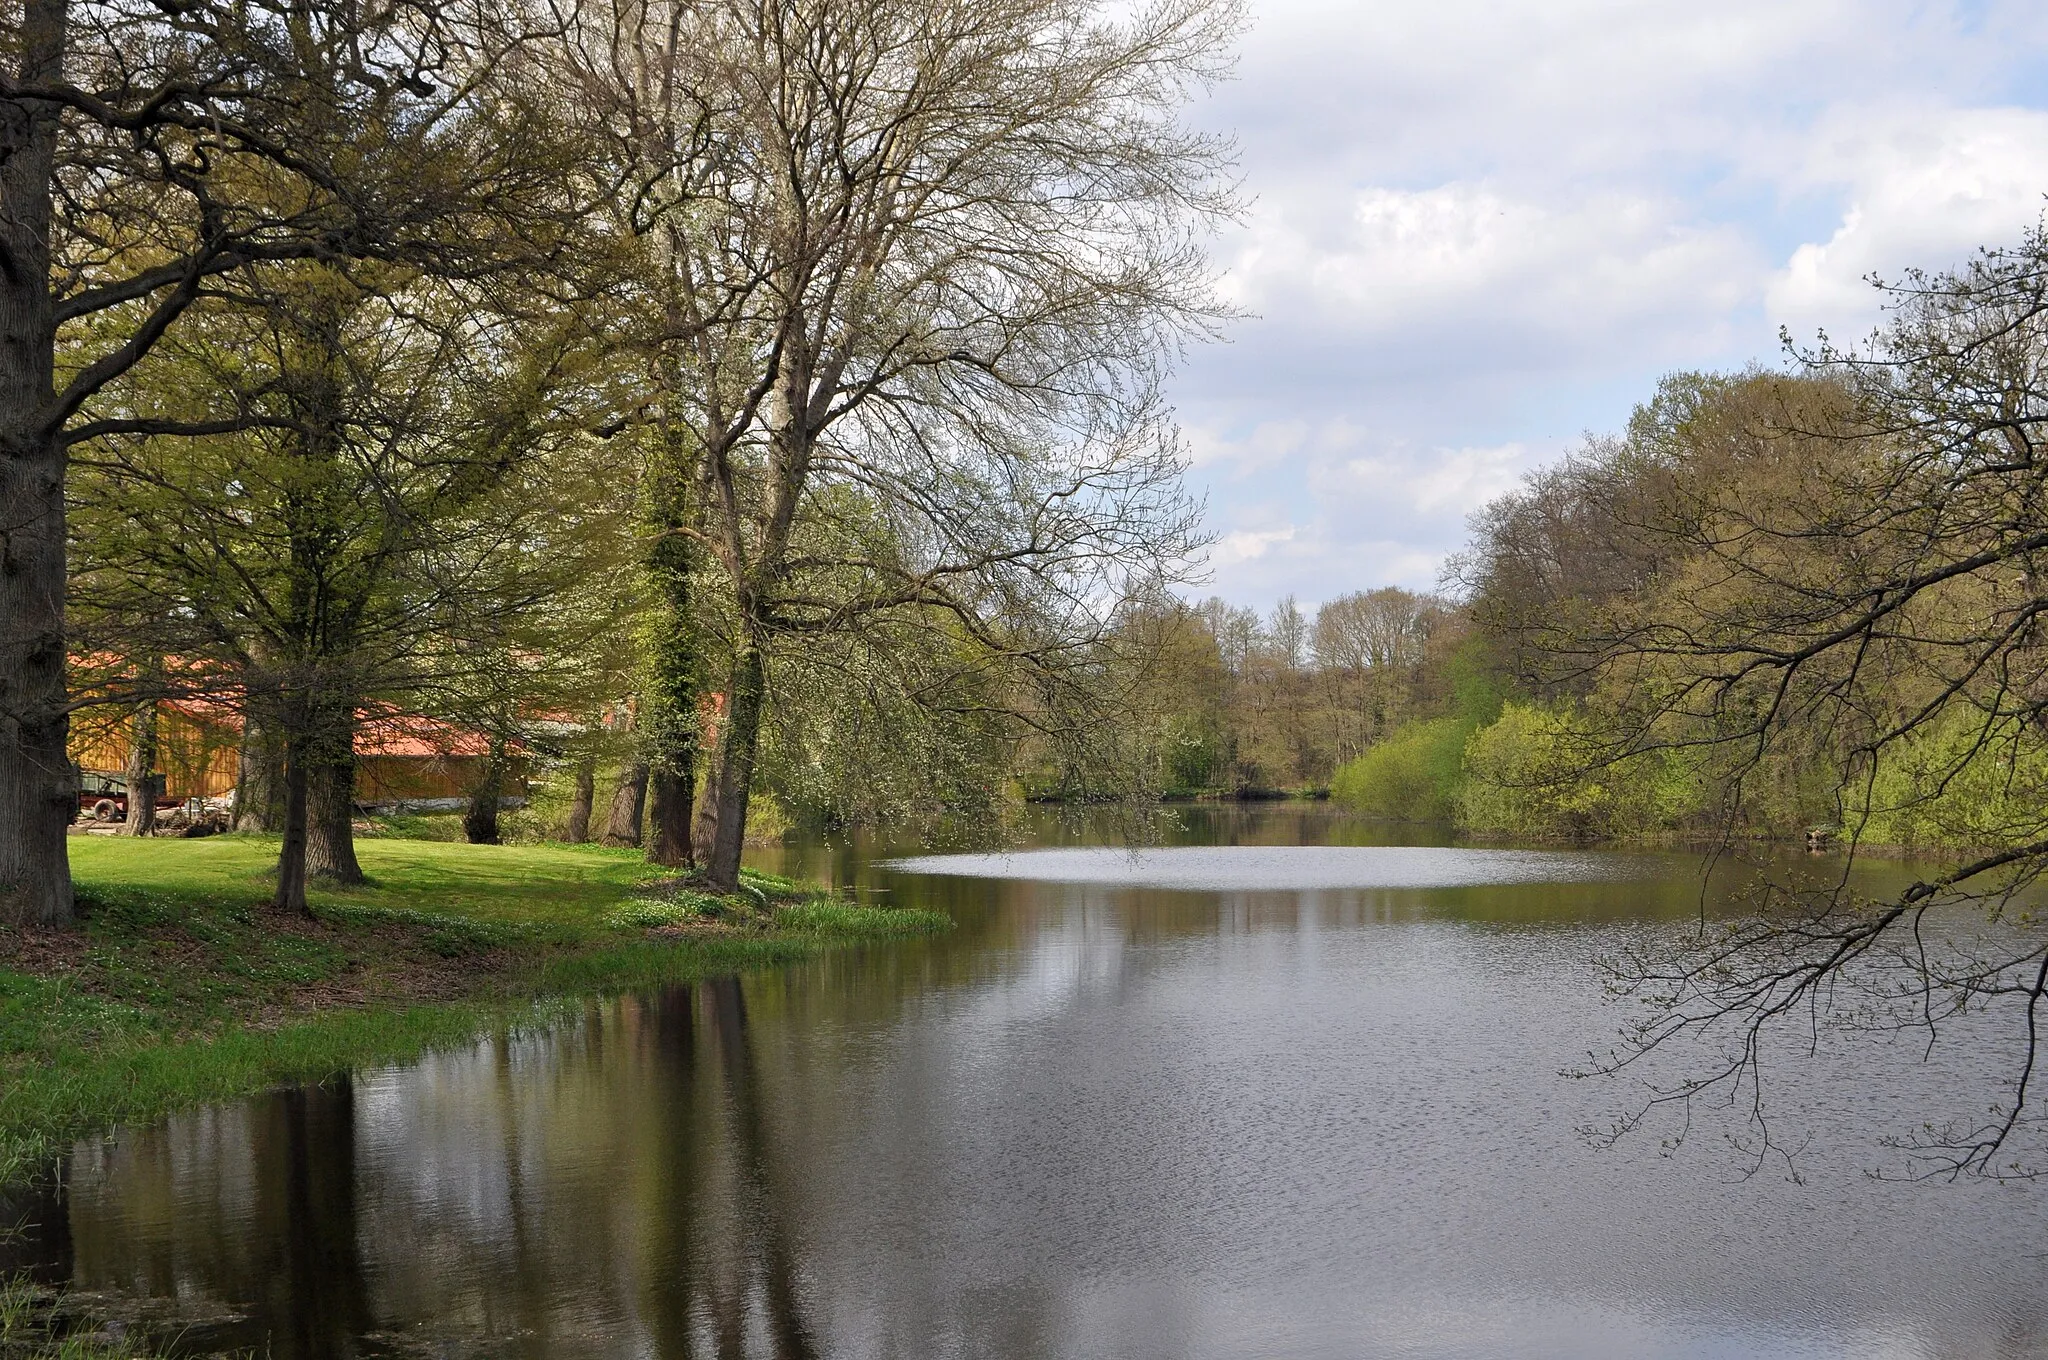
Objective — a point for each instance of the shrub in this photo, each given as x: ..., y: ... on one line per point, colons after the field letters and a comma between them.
x: 1413, y: 775
x: 1961, y: 782
x: 1544, y: 773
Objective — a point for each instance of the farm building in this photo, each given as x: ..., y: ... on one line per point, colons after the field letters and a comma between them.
x: 399, y: 756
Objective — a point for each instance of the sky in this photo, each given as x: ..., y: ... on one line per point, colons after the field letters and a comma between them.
x: 1478, y: 230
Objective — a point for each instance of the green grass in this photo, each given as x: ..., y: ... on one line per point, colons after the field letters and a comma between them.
x: 182, y: 987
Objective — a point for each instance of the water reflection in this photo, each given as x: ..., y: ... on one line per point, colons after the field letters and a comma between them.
x: 1098, y: 1119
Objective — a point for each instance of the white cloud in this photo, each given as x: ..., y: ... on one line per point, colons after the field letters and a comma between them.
x: 1481, y: 229
x: 1464, y: 270
x: 1923, y: 189
x: 1438, y: 483
x: 1234, y: 549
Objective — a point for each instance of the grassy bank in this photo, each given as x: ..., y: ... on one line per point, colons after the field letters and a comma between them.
x: 183, y: 987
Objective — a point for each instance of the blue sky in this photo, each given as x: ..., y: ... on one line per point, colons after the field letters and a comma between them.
x: 1478, y: 230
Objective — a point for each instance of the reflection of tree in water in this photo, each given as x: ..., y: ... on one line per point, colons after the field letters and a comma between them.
x: 270, y: 1260
x: 35, y: 1229
x: 769, y: 1250
x: 314, y: 1299
x: 716, y: 1278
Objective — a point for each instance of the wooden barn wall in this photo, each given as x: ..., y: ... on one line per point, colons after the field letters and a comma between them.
x: 383, y: 779
x: 197, y: 759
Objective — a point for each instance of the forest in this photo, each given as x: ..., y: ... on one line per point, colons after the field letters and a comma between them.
x: 713, y: 434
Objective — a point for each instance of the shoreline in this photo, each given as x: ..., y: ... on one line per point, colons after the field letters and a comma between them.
x: 181, y: 988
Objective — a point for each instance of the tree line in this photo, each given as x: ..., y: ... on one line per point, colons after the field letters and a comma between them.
x: 726, y: 390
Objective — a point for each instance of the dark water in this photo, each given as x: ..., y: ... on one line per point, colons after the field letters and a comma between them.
x: 1191, y: 1102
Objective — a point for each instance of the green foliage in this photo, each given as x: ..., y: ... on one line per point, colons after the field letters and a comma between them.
x: 899, y: 724
x: 1545, y: 773
x: 824, y: 917
x: 1961, y: 782
x: 1415, y: 775
x: 1194, y: 754
x: 651, y: 913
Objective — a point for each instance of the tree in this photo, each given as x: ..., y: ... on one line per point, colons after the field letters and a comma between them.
x: 1288, y: 627
x: 354, y: 503
x: 142, y: 753
x: 1384, y: 629
x: 937, y: 253
x: 145, y: 150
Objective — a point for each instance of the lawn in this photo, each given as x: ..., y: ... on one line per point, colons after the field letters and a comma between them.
x: 565, y: 886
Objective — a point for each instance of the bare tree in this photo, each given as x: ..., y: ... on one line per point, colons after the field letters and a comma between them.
x: 1237, y: 632
x: 1859, y: 580
x: 927, y: 261
x: 1288, y: 628
x: 1384, y: 629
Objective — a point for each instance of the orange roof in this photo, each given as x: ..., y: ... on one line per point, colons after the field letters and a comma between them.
x: 391, y: 733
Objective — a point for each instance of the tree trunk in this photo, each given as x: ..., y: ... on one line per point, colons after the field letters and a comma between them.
x: 259, y: 778
x: 141, y: 819
x: 736, y: 769
x: 480, y: 822
x: 291, y: 855
x: 330, y: 820
x: 704, y: 835
x: 38, y: 790
x: 578, y: 830
x: 668, y: 818
x: 671, y: 731
x: 628, y: 802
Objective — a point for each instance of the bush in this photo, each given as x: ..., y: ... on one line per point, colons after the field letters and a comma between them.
x: 1414, y: 775
x: 1544, y: 773
x: 1962, y: 782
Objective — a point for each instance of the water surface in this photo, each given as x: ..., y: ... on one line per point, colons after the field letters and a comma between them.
x: 1221, y: 1100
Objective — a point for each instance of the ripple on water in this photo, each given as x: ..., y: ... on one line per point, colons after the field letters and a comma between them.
x: 1288, y: 868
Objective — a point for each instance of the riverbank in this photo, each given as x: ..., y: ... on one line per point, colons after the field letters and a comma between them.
x: 183, y: 987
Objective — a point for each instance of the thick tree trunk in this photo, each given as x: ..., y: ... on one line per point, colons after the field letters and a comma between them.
x: 141, y: 819
x: 668, y: 818
x: 629, y: 799
x: 259, y: 779
x: 736, y: 768
x: 330, y: 820
x: 291, y: 856
x: 38, y: 790
x: 480, y: 822
x: 578, y: 829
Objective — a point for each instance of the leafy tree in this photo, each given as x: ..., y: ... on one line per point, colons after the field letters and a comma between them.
x: 352, y: 505
x: 147, y: 150
x: 1842, y: 573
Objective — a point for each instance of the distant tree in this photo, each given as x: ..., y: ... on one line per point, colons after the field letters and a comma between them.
x: 1288, y: 628
x: 1237, y: 632
x: 1382, y: 629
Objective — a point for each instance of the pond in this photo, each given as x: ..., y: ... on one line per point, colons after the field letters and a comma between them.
x: 1270, y: 1089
